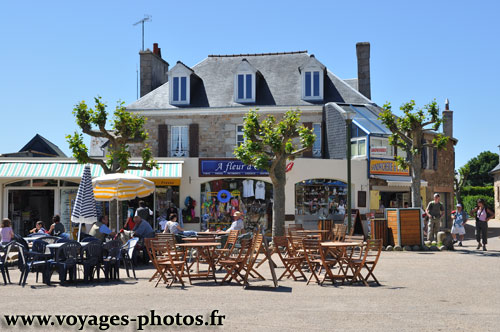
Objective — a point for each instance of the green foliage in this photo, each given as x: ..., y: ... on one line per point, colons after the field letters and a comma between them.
x: 268, y: 140
x: 127, y: 128
x: 480, y: 167
x: 408, y: 129
x: 470, y: 202
x: 475, y: 190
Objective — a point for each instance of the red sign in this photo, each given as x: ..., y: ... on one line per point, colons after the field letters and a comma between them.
x: 289, y: 166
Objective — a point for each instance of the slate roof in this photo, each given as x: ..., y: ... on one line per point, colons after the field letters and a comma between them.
x: 496, y: 169
x: 279, y: 84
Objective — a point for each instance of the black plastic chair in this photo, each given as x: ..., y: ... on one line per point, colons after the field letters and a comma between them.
x: 128, y: 250
x: 66, y: 259
x: 38, y: 252
x: 5, y: 249
x: 30, y: 262
x: 111, y: 259
x: 91, y: 259
x: 90, y: 239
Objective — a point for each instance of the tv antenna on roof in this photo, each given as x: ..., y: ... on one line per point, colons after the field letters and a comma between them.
x: 147, y: 18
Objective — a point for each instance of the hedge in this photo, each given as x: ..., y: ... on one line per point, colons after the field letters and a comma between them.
x: 470, y: 202
x: 474, y: 191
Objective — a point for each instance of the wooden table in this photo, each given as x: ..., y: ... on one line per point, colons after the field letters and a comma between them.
x: 323, y: 232
x: 205, y: 250
x: 200, y: 239
x: 340, y: 256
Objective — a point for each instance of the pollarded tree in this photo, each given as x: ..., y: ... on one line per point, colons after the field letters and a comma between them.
x: 408, y: 134
x: 126, y: 128
x: 268, y: 145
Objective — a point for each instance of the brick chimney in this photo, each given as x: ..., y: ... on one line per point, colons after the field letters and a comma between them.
x: 447, y: 119
x: 153, y: 69
x: 363, y: 54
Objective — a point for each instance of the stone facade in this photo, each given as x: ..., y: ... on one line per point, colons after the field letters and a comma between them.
x: 496, y: 183
x: 217, y: 130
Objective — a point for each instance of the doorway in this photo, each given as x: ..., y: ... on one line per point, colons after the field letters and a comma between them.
x: 26, y: 207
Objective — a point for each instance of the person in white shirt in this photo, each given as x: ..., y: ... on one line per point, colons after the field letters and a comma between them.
x: 238, y: 223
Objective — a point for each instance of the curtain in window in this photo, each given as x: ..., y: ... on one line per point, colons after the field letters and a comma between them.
x: 308, y: 83
x: 180, y: 141
x: 424, y: 156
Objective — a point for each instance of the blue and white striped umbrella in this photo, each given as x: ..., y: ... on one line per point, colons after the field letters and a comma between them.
x: 84, y: 211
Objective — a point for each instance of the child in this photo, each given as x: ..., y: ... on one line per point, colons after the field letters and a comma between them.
x: 6, y: 231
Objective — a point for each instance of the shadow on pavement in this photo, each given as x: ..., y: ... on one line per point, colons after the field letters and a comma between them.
x: 279, y: 289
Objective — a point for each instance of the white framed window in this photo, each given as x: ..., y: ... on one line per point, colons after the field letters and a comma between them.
x: 312, y: 85
x: 380, y: 148
x: 358, y: 147
x: 244, y: 87
x: 240, y: 136
x: 180, y: 90
x: 316, y: 151
x: 179, y: 141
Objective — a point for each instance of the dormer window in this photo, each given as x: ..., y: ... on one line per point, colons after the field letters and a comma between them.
x: 180, y: 89
x: 179, y: 79
x: 244, y: 83
x: 312, y: 84
x: 312, y: 74
x: 245, y: 87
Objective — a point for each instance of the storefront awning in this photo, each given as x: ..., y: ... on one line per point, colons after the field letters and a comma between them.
x: 398, y: 181
x: 64, y: 170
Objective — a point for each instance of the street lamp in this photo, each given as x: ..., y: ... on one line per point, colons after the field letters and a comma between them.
x: 347, y: 114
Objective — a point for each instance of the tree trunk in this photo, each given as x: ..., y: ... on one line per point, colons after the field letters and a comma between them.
x: 278, y: 178
x: 416, y: 176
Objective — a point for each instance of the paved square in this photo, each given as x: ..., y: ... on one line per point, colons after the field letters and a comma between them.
x: 421, y: 291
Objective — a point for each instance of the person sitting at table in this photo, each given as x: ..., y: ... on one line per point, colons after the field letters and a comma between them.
x: 38, y: 228
x: 238, y: 223
x: 56, y: 229
x: 143, y: 229
x: 173, y: 227
x: 100, y: 229
x: 6, y: 232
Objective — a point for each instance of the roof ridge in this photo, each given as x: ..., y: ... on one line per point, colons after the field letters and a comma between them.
x: 253, y: 54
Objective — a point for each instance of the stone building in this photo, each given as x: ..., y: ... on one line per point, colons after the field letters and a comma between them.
x: 495, y: 172
x: 196, y: 116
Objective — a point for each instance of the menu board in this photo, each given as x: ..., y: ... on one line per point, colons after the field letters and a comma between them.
x: 68, y: 197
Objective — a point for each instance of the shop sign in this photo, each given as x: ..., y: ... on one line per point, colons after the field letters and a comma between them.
x: 228, y: 167
x: 387, y: 167
x: 378, y: 150
x: 166, y: 182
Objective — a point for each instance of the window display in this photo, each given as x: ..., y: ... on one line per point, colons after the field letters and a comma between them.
x: 220, y: 199
x: 320, y: 197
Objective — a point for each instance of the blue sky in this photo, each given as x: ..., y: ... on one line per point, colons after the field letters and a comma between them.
x: 56, y: 53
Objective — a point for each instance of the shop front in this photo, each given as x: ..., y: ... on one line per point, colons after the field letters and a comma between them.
x: 233, y: 186
x: 390, y: 185
x: 317, y: 199
x: 37, y: 189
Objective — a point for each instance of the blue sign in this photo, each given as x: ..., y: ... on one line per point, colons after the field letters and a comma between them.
x: 228, y: 167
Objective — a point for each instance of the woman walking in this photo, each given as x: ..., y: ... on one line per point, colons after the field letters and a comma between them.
x: 483, y: 215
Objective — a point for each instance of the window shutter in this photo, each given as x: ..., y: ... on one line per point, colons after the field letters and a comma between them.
x: 194, y: 140
x: 162, y: 140
x: 308, y: 154
x: 424, y: 156
x: 435, y: 158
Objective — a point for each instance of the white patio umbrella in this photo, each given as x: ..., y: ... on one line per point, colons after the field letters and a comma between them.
x: 122, y: 187
x: 84, y: 211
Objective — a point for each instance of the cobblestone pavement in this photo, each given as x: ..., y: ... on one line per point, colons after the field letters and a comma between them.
x: 421, y: 291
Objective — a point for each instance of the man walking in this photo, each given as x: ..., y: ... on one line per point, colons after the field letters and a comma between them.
x: 435, y: 211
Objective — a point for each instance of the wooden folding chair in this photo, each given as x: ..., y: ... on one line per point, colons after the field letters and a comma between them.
x: 292, y: 262
x: 173, y: 264
x: 252, y: 258
x: 293, y: 227
x: 229, y: 246
x: 369, y: 261
x: 234, y: 265
x: 312, y: 256
x: 339, y: 232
